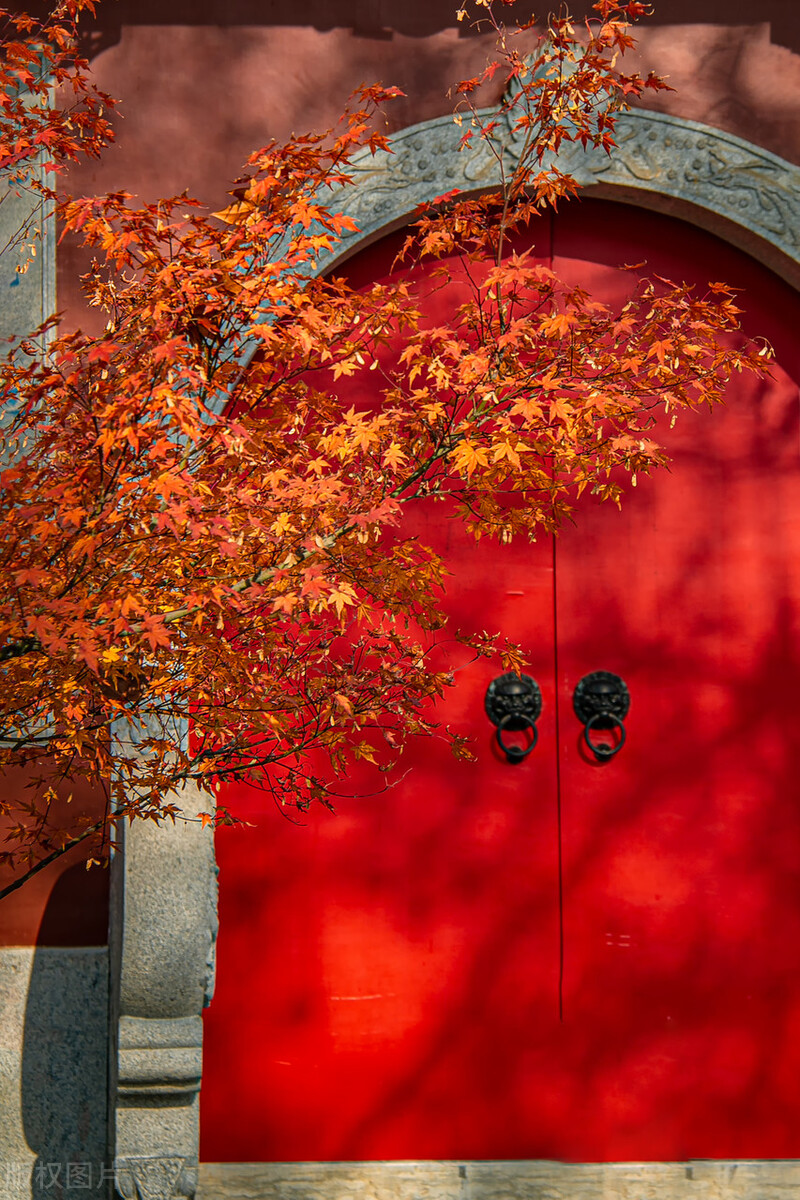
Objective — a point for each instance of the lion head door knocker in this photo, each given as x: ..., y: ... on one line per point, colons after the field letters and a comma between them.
x: 601, y: 701
x: 513, y: 703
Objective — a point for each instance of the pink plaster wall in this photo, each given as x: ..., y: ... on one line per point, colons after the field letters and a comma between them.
x: 201, y: 85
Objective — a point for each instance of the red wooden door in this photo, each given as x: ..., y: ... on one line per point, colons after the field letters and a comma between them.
x: 682, y: 918
x: 561, y: 958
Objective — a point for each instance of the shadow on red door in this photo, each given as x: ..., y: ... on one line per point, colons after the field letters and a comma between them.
x: 560, y: 958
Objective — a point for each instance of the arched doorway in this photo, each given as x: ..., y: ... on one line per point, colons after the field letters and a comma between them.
x: 561, y: 959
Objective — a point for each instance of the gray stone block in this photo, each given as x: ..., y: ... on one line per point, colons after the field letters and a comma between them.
x: 27, y: 298
x: 53, y: 1070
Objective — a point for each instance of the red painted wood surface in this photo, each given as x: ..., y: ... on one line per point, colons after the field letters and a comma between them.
x: 390, y: 978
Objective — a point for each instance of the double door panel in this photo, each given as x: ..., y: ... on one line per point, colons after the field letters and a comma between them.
x: 560, y: 958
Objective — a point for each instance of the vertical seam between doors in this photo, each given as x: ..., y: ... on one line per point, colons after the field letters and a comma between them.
x: 559, y: 847
x: 557, y: 695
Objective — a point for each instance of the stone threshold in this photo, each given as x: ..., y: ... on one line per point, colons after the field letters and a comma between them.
x: 759, y: 1179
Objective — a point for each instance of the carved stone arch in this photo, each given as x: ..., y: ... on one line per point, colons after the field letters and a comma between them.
x: 712, y: 179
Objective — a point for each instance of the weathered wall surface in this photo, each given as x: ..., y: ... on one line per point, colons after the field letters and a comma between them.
x: 203, y: 85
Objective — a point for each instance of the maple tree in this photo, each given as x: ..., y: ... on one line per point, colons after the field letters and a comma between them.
x: 205, y: 571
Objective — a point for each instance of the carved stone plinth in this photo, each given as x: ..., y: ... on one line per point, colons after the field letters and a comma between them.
x: 163, y: 934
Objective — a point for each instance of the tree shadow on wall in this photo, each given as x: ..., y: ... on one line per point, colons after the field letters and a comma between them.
x: 65, y: 1041
x: 379, y: 19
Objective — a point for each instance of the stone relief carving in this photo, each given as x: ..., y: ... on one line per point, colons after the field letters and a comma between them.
x: 710, y: 176
x: 707, y: 168
x: 155, y: 1178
